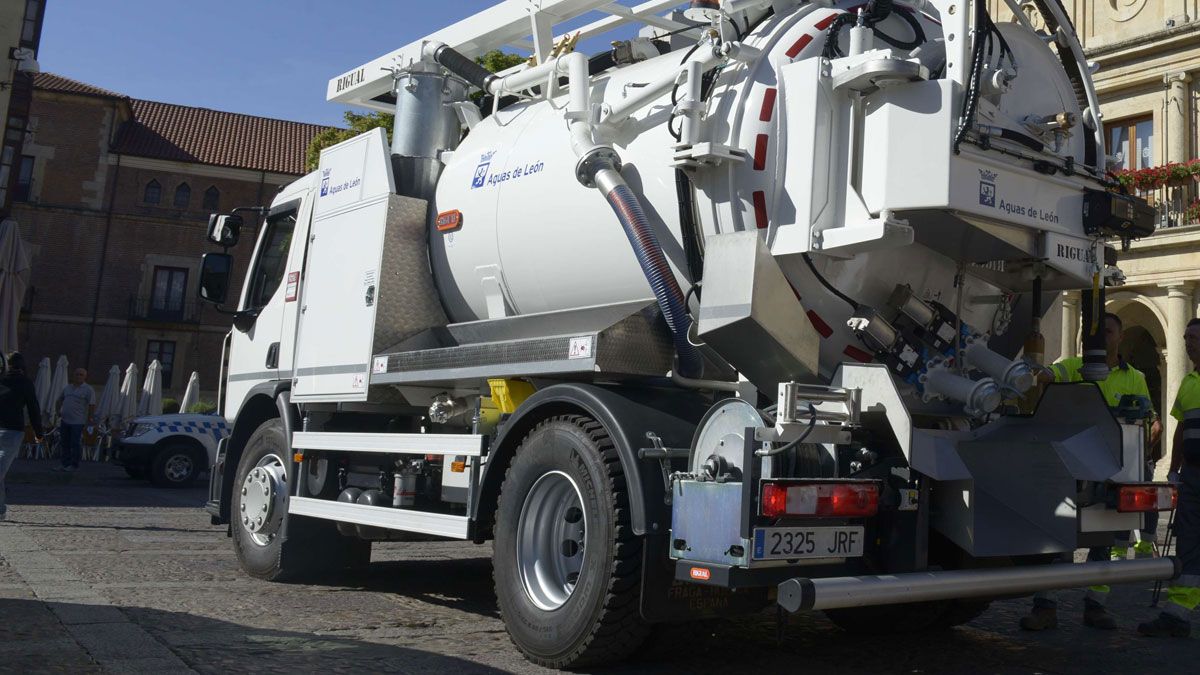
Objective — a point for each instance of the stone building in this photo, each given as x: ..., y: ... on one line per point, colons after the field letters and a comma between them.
x: 20, y: 36
x: 113, y: 205
x: 1147, y: 59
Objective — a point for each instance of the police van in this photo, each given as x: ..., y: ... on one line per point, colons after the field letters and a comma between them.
x: 171, y: 450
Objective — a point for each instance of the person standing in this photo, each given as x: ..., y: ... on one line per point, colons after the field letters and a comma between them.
x: 76, y: 407
x: 1183, y: 595
x: 1123, y: 380
x: 17, y: 397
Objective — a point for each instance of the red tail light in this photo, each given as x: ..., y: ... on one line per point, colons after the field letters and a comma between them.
x: 822, y: 499
x: 1138, y: 498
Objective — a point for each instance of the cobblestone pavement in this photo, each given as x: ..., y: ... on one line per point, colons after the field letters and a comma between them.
x: 101, y: 573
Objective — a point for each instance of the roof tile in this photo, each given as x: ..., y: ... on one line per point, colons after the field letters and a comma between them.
x: 187, y: 134
x: 52, y: 82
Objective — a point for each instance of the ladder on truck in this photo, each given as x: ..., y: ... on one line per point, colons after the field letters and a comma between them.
x: 520, y: 24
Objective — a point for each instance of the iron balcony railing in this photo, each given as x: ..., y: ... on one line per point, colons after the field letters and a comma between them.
x: 1176, y: 205
x: 167, y: 310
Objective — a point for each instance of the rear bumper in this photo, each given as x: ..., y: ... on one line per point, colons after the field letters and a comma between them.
x: 801, y: 594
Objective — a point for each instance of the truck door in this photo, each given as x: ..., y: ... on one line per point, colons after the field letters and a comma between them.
x: 254, y: 356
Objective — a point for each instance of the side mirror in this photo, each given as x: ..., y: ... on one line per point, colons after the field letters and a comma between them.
x: 224, y: 230
x: 243, y: 320
x: 215, y: 269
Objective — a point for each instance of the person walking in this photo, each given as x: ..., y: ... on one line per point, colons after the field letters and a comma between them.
x: 17, y: 397
x: 1123, y: 380
x: 76, y: 408
x: 1183, y: 595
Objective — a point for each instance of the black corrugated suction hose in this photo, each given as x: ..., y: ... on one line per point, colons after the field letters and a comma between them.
x: 467, y: 69
x: 658, y: 273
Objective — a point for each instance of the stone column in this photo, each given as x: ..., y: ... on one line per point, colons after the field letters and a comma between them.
x: 1070, y: 325
x: 1180, y: 308
x: 1178, y: 131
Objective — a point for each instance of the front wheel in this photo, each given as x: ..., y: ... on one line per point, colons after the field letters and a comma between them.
x: 176, y: 465
x: 567, y: 565
x: 269, y: 544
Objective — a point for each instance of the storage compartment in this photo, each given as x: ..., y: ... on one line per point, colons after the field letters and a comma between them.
x: 367, y: 283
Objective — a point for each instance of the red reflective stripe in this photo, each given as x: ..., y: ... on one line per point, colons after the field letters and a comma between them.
x: 760, y: 209
x: 857, y: 354
x: 760, y: 152
x: 798, y: 46
x: 768, y: 106
x: 826, y: 22
x: 819, y: 323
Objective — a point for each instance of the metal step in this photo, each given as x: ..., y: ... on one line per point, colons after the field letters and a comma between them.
x: 470, y: 445
x: 408, y: 520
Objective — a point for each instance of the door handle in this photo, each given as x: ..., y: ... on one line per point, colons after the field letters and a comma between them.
x: 273, y: 355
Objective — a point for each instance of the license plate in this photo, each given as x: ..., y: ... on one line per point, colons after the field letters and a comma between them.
x: 789, y: 543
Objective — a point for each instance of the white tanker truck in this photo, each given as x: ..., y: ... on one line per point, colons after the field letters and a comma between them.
x: 724, y: 317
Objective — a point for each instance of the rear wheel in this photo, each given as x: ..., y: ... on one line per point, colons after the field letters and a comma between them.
x: 567, y: 565
x: 269, y: 543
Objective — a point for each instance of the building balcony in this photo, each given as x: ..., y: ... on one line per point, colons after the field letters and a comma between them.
x: 159, y: 310
x: 1177, y: 205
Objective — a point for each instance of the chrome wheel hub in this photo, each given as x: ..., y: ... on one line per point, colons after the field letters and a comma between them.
x: 550, y: 540
x: 263, y: 499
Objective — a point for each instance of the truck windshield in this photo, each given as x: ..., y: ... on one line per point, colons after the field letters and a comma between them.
x: 272, y: 259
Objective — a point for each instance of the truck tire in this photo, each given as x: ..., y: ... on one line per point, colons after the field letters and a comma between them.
x: 884, y: 619
x: 566, y: 564
x: 269, y: 544
x: 176, y: 465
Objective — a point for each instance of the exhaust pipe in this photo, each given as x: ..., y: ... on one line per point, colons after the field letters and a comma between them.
x: 841, y: 592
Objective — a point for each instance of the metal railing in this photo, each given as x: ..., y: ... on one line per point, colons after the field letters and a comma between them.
x: 166, y: 310
x: 1176, y: 205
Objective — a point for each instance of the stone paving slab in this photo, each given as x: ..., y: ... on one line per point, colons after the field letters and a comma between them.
x: 114, y: 575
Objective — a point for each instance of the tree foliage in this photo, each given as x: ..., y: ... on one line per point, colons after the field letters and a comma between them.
x: 358, y: 123
x: 497, y: 60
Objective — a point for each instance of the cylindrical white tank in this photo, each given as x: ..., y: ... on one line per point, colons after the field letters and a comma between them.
x: 534, y: 240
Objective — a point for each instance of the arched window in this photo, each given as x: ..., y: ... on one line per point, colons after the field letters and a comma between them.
x: 212, y: 199
x: 153, y: 192
x: 183, y: 195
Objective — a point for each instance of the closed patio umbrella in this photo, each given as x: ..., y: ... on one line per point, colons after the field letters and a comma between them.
x: 129, y: 396
x: 41, y: 389
x: 151, y: 403
x: 14, y: 278
x: 106, y: 405
x: 109, y: 402
x: 57, y: 384
x: 41, y: 384
x: 191, y: 395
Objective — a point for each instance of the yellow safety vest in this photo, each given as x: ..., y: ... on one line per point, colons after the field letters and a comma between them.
x: 1187, y: 411
x: 1122, y: 380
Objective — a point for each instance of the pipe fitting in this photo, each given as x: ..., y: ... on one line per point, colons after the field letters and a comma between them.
x: 979, y: 397
x: 1015, y: 375
x: 593, y: 162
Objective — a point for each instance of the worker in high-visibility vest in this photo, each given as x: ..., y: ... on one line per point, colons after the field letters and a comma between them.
x: 1123, y: 380
x: 1183, y: 595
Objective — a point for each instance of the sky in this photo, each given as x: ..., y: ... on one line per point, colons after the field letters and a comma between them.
x: 260, y: 57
